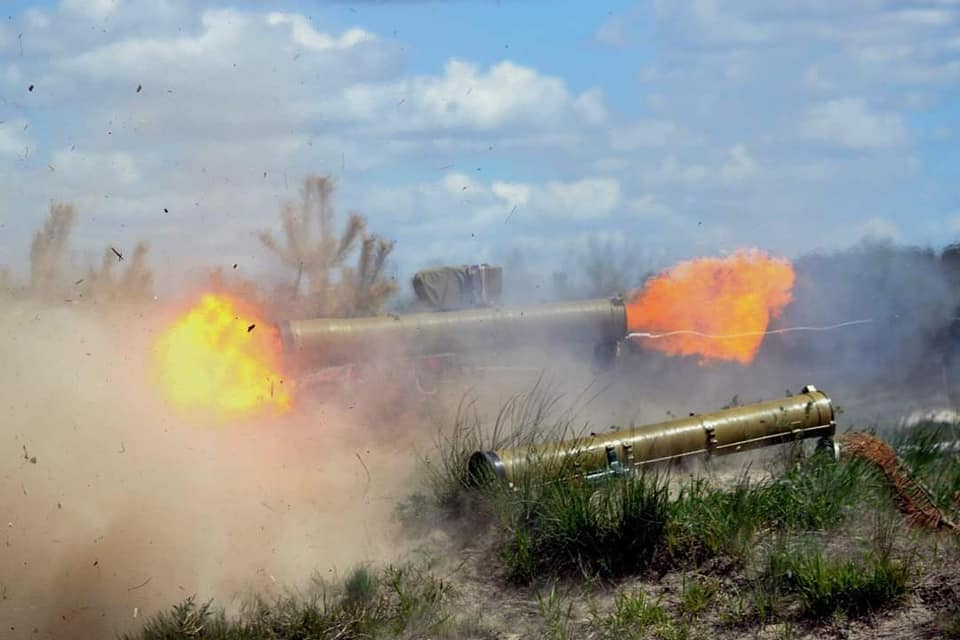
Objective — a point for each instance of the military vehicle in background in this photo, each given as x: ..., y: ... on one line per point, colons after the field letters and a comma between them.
x: 457, y: 288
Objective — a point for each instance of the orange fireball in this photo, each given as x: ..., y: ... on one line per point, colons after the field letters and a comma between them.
x: 717, y: 308
x: 222, y: 360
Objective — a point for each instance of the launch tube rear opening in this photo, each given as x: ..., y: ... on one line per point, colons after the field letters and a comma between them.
x: 483, y: 468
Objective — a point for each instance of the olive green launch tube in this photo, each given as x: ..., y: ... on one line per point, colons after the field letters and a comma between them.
x: 335, y: 341
x: 809, y: 414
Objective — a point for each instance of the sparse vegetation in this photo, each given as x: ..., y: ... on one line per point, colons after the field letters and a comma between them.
x: 709, y: 520
x: 52, y: 279
x: 604, y: 268
x: 697, y: 594
x: 135, y: 282
x: 48, y: 250
x: 557, y: 614
x: 324, y: 284
x: 407, y: 601
x: 522, y: 419
x: 826, y: 585
x: 565, y: 528
x: 632, y: 614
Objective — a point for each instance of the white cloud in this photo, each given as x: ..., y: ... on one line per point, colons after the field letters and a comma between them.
x: 587, y: 198
x: 514, y: 195
x: 739, y: 166
x: 936, y: 17
x: 590, y: 106
x: 13, y: 138
x: 201, y: 76
x: 736, y: 166
x: 670, y: 171
x: 848, y: 122
x: 103, y: 171
x: 457, y: 183
x: 465, y: 97
x: 36, y: 19
x: 98, y: 9
x: 305, y: 35
x: 224, y: 37
x: 705, y: 22
x: 646, y: 206
x: 647, y: 133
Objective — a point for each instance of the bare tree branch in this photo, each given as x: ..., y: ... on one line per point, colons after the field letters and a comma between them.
x: 332, y: 288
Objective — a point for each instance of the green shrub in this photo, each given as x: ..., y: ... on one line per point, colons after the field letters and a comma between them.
x: 697, y: 593
x: 633, y: 616
x: 568, y: 527
x: 360, y: 587
x: 189, y: 620
x: 708, y: 520
x: 827, y: 586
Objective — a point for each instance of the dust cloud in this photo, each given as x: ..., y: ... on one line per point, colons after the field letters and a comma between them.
x: 113, y: 507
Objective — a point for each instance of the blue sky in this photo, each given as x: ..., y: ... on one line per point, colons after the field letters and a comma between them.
x: 661, y: 129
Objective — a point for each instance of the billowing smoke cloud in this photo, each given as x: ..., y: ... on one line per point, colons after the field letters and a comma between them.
x: 895, y: 360
x: 910, y: 297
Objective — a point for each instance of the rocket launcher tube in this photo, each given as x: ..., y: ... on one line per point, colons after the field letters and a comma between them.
x: 808, y: 415
x: 336, y: 341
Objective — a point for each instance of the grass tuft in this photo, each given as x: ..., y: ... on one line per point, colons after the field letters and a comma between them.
x: 697, y: 593
x: 360, y: 587
x: 708, y: 521
x: 635, y: 616
x: 521, y: 420
x: 828, y: 586
x: 568, y: 527
x: 188, y: 619
x: 557, y: 615
x: 399, y: 600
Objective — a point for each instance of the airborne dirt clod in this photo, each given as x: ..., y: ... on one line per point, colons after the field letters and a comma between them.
x: 913, y: 498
